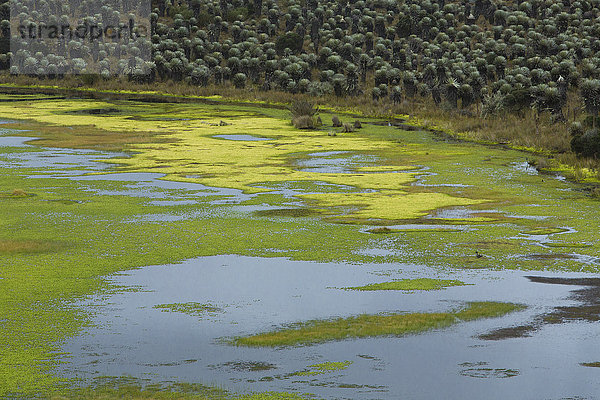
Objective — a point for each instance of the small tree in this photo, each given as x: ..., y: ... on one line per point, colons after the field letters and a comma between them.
x: 239, y: 80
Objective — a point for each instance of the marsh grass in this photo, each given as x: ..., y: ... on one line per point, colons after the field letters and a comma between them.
x: 362, y: 326
x: 595, y: 193
x: 13, y: 246
x: 16, y: 193
x: 410, y: 284
x: 87, y: 137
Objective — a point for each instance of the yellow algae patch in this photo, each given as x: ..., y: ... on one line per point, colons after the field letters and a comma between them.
x: 364, y: 181
x: 196, y: 155
x: 390, y: 204
x: 239, y: 148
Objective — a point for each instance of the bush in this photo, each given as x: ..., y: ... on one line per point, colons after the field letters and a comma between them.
x: 89, y: 79
x: 492, y: 104
x: 319, y: 89
x: 237, y: 14
x: 302, y: 108
x: 303, y: 114
x: 304, y: 122
x: 588, y: 144
x: 239, y: 80
x: 336, y: 121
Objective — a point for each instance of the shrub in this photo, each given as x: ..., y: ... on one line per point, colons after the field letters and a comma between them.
x: 304, y: 122
x: 319, y: 89
x: 19, y: 193
x: 239, y: 80
x: 492, y: 104
x: 348, y: 128
x: 588, y: 144
x: 89, y: 79
x: 303, y: 115
x: 336, y: 121
x: 302, y: 108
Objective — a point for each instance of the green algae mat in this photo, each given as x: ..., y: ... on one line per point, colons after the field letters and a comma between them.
x: 262, y: 188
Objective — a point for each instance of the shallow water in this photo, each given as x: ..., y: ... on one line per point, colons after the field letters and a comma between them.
x: 249, y: 138
x: 334, y: 162
x: 258, y: 294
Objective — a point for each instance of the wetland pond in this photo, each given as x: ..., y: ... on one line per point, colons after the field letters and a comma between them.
x: 151, y: 248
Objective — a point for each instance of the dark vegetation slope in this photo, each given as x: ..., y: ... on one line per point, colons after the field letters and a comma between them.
x: 537, y: 59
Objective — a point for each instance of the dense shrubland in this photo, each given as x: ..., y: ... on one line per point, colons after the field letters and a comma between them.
x: 536, y: 58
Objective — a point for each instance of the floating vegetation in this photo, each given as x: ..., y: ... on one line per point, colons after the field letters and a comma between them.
x: 192, y: 308
x: 509, y: 333
x: 490, y: 372
x: 362, y: 326
x: 591, y: 364
x: 545, y: 231
x: 410, y: 284
x: 253, y: 366
x: 326, y: 367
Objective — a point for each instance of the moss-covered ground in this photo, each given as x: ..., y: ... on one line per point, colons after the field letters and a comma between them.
x: 59, y: 237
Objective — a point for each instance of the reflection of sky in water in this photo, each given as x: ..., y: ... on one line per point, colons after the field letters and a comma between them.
x: 334, y: 162
x: 243, y: 138
x: 258, y: 294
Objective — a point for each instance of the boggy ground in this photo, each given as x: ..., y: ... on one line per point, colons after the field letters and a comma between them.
x: 306, y: 195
